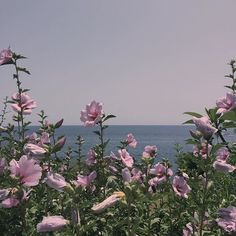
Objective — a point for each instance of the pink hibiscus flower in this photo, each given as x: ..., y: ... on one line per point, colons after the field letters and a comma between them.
x: 92, y: 114
x: 27, y: 169
x: 6, y: 56
x: 23, y: 103
x: 126, y: 159
x: 226, y: 103
x: 51, y: 223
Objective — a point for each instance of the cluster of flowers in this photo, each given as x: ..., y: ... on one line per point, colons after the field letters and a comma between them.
x: 31, y: 163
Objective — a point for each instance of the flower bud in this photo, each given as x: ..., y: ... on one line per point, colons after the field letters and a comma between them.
x: 108, y: 202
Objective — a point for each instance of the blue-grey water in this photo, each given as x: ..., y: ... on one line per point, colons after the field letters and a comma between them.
x: 163, y: 136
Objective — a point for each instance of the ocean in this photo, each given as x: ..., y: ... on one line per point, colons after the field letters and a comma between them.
x: 165, y: 137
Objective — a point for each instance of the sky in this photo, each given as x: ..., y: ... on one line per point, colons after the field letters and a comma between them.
x: 147, y: 61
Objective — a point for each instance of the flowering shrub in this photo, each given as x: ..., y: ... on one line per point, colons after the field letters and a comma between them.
x: 46, y: 191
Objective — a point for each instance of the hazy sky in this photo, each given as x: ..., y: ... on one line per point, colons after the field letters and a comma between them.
x: 147, y: 61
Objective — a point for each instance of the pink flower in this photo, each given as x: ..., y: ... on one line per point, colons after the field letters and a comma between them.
x: 27, y: 169
x: 222, y: 154
x: 126, y: 175
x: 92, y: 114
x: 149, y: 151
x: 134, y: 175
x: 126, y: 159
x: 108, y: 202
x: 56, y: 181
x: 34, y: 150
x: 226, y: 103
x: 131, y: 141
x: 51, y: 223
x: 23, y: 103
x: 10, y: 202
x: 85, y: 180
x: 161, y: 172
x: 204, y: 150
x: 13, y: 197
x: 44, y: 139
x: 203, y: 125
x: 180, y: 186
x: 227, y: 219
x: 91, y: 158
x: 223, y: 166
x: 6, y: 56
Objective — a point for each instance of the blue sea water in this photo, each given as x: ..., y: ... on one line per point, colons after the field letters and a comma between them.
x: 163, y: 136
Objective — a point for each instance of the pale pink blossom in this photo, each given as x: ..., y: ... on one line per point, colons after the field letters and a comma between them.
x: 126, y: 159
x: 51, y: 223
x: 162, y: 173
x: 23, y: 103
x: 180, y: 186
x: 85, y: 180
x: 227, y: 219
x: 223, y: 166
x: 12, y: 197
x: 227, y: 103
x: 92, y: 114
x: 149, y: 151
x: 34, y: 150
x: 161, y: 170
x: 32, y: 138
x: 203, y: 150
x: 134, y: 175
x: 113, y: 169
x: 10, y: 202
x: 108, y: 202
x: 204, y: 125
x: 126, y: 175
x: 6, y: 56
x: 91, y: 158
x: 222, y: 154
x: 56, y: 181
x: 27, y: 169
x: 44, y: 139
x: 131, y: 141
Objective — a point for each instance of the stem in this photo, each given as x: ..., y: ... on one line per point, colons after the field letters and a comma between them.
x: 20, y: 114
x: 149, y: 220
x: 202, y: 210
x: 101, y: 159
x: 54, y: 142
x: 129, y: 221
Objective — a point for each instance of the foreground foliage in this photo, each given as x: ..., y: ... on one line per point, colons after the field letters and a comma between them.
x: 45, y: 191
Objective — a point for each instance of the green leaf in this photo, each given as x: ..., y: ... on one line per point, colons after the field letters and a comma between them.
x: 229, y: 124
x: 23, y: 70
x: 188, y: 122
x: 20, y: 56
x: 193, y: 114
x: 191, y: 141
x: 105, y: 144
x: 231, y: 115
x: 109, y: 117
x: 212, y: 114
x: 97, y: 133
x: 228, y: 87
